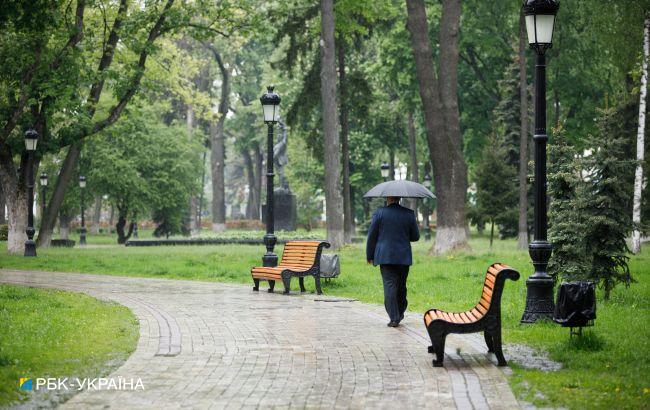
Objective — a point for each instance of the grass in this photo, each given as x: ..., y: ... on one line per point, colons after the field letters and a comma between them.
x: 49, y: 333
x: 606, y: 368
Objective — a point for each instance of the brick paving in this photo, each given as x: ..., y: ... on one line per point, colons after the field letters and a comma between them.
x: 213, y: 345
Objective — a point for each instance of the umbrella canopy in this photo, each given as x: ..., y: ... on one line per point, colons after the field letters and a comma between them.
x: 400, y: 188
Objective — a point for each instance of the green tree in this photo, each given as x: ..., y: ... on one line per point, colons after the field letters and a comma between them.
x: 495, y: 182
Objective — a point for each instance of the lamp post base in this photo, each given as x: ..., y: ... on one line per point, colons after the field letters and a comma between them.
x: 30, y: 248
x: 270, y: 259
x: 82, y: 237
x: 539, y: 300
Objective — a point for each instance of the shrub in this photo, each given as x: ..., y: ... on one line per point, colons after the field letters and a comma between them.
x: 4, y: 232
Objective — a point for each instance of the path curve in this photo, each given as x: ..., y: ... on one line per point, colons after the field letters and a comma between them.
x: 213, y: 345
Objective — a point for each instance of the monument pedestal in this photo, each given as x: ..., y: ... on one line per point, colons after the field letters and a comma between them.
x: 284, y: 209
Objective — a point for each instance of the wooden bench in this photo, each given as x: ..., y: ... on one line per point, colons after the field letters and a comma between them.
x: 300, y: 259
x: 485, y: 316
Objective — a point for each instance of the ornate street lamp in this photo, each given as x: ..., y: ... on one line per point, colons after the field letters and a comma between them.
x: 82, y: 234
x: 427, y: 228
x: 271, y: 110
x: 385, y: 168
x: 43, y: 189
x: 31, y: 139
x: 540, y: 21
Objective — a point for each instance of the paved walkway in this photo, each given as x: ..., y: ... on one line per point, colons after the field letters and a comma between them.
x: 224, y: 346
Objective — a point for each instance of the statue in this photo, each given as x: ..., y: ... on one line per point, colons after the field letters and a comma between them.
x: 280, y: 158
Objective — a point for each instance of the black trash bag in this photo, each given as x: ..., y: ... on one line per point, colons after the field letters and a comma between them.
x: 576, y: 304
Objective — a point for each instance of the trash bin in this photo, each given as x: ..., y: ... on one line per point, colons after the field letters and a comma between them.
x: 330, y: 267
x: 575, y: 304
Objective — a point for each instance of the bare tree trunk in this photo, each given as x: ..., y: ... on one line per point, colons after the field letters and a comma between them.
x: 122, y: 237
x: 413, y: 158
x: 111, y: 219
x: 442, y: 119
x: 391, y: 165
x: 259, y: 166
x: 333, y: 198
x: 97, y: 214
x: 348, y: 217
x: 522, y: 237
x: 250, y: 178
x: 218, y: 157
x: 193, y: 201
x: 640, y: 143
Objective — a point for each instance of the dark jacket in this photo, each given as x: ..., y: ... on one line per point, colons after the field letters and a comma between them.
x: 391, y: 232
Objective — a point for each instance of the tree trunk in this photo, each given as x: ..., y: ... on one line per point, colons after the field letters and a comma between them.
x: 491, y: 233
x: 218, y: 157
x: 259, y: 166
x: 333, y: 198
x: 522, y: 237
x: 122, y: 237
x: 348, y: 217
x: 440, y: 106
x: 193, y: 201
x: 58, y: 195
x: 64, y: 226
x: 640, y: 143
x: 97, y: 214
x: 250, y: 178
x: 3, y: 215
x: 413, y: 158
x: 391, y: 165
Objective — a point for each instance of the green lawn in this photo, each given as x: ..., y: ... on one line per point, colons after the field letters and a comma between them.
x: 606, y: 368
x: 49, y: 333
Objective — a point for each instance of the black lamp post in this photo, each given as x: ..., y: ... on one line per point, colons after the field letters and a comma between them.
x: 384, y: 170
x: 82, y: 234
x: 43, y: 189
x: 427, y: 228
x: 540, y: 19
x: 271, y: 109
x: 31, y: 139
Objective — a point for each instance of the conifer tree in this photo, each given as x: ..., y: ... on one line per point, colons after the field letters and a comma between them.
x: 567, y: 219
x: 494, y: 181
x: 608, y: 194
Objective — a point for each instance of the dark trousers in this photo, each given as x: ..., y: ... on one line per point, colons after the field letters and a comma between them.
x: 394, y: 278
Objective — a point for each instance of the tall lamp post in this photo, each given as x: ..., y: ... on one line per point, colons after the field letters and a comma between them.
x: 82, y: 234
x: 540, y: 19
x: 43, y: 190
x: 271, y: 109
x: 384, y: 170
x: 31, y: 139
x: 427, y: 228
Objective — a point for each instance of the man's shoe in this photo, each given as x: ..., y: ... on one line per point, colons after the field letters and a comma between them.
x: 393, y: 324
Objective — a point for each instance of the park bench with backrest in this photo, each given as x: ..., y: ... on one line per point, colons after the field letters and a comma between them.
x: 300, y: 259
x: 485, y: 316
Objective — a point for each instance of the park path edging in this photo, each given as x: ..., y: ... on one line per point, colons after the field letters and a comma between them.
x: 214, y: 345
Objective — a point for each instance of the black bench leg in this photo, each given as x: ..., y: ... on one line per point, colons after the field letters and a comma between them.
x: 287, y: 284
x: 317, y: 280
x: 496, y: 339
x: 271, y: 286
x: 256, y: 287
x: 488, y: 342
x: 439, y: 349
x: 301, y: 280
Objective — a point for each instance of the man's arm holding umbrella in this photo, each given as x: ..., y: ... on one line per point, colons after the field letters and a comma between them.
x: 373, y: 234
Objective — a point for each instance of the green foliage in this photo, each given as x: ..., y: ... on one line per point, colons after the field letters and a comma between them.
x: 590, y: 206
x: 496, y: 193
x: 568, y: 221
x: 4, y: 231
x: 144, y: 165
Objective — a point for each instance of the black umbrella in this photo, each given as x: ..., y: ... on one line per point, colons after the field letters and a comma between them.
x: 400, y: 188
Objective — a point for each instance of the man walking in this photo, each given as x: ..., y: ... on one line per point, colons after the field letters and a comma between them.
x: 392, y: 229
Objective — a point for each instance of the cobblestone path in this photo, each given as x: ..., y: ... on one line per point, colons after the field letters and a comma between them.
x: 212, y: 345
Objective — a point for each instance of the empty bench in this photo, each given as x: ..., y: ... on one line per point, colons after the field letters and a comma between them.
x: 300, y: 259
x: 485, y: 316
